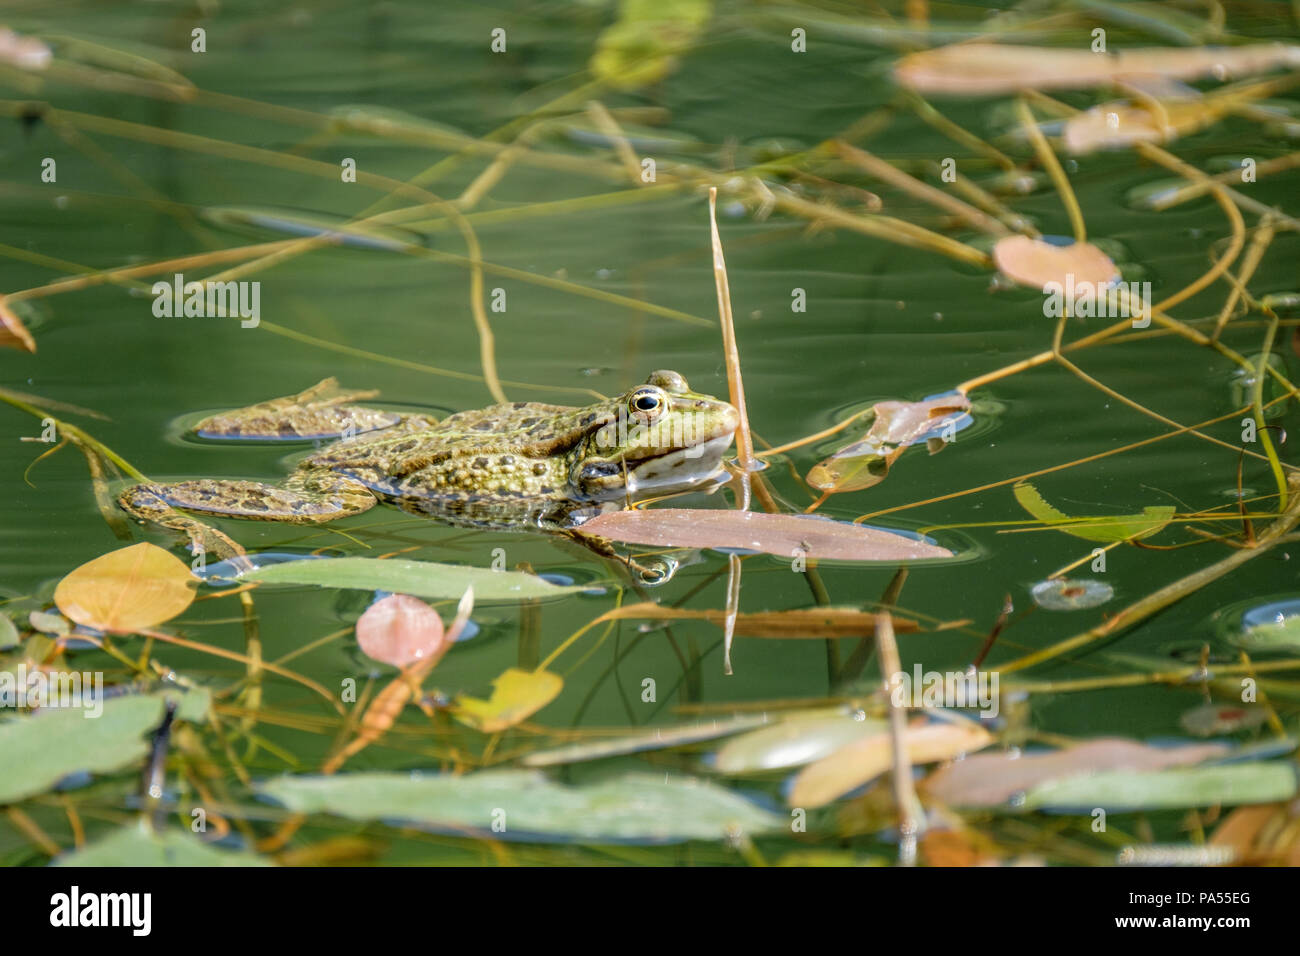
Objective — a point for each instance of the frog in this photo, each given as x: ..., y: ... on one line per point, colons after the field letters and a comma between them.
x: 511, y: 466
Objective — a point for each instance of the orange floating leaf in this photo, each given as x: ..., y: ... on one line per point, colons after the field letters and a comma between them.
x: 990, y: 780
x: 1036, y: 263
x: 126, y: 590
x: 861, y: 761
x: 994, y: 69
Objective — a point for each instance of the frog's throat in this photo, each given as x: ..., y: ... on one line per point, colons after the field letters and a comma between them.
x: 678, y: 470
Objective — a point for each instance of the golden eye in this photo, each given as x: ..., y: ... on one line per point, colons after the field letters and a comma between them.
x: 647, y: 402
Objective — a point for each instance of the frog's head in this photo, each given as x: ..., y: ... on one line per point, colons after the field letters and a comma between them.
x: 659, y: 438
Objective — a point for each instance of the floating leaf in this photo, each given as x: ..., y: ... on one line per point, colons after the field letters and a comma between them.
x: 957, y: 847
x: 1071, y: 594
x: 631, y: 808
x: 1211, y: 719
x: 990, y: 780
x: 49, y: 623
x: 794, y: 742
x: 26, y: 53
x: 8, y: 633
x: 1037, y: 263
x: 13, y: 334
x: 1167, y: 789
x: 1260, y: 834
x: 784, y: 535
x: 516, y: 695
x: 399, y: 630
x: 643, y: 45
x: 55, y: 742
x: 136, y: 845
x: 1279, y: 635
x: 658, y: 738
x: 127, y: 590
x: 993, y: 69
x: 894, y: 426
x: 1119, y: 125
x: 863, y: 760
x: 1104, y: 529
x: 426, y: 579
x: 807, y: 623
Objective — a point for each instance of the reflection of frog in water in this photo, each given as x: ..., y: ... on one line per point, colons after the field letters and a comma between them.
x: 523, y: 465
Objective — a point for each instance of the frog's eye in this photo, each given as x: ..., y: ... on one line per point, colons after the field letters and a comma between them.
x: 647, y: 402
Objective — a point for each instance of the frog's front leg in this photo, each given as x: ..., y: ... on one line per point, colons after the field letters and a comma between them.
x: 322, y: 411
x: 306, y: 498
x: 654, y: 573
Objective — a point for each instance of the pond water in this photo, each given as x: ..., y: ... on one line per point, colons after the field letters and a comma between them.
x: 142, y: 178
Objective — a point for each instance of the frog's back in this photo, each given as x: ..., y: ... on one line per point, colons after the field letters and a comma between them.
x: 485, y: 458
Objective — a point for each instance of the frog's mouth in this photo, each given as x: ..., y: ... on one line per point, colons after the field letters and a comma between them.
x: 679, y: 470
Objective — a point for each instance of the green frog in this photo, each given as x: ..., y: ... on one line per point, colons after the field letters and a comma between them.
x: 521, y: 465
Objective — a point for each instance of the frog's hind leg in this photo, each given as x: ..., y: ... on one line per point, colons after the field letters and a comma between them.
x: 322, y: 411
x: 312, y: 498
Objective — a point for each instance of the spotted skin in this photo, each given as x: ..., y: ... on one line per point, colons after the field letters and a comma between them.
x: 512, y: 466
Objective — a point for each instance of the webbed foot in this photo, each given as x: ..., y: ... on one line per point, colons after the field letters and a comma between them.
x: 305, y: 499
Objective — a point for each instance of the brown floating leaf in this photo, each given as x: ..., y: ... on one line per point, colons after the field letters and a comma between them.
x: 13, y: 334
x: 850, y: 767
x: 784, y: 535
x: 126, y: 590
x: 993, y: 69
x: 399, y: 630
x: 990, y: 780
x: 811, y: 622
x: 894, y: 426
x: 962, y: 847
x: 1036, y: 263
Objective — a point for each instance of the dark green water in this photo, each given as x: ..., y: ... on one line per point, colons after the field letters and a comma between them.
x: 882, y: 322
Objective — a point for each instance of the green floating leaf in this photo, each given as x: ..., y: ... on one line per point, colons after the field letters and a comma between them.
x: 638, y: 808
x: 1231, y: 784
x: 56, y: 742
x: 1106, y: 529
x: 1281, y: 635
x: 656, y: 738
x: 134, y: 845
x: 8, y: 634
x: 794, y: 742
x: 426, y: 579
